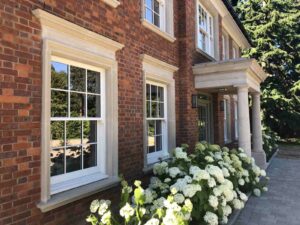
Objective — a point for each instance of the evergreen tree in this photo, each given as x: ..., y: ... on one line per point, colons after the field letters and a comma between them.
x: 274, y: 27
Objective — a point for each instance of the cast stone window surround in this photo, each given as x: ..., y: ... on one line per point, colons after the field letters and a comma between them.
x: 66, y: 40
x: 159, y: 19
x: 112, y: 3
x: 161, y: 74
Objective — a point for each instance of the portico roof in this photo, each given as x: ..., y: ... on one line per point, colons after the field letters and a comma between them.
x: 229, y: 74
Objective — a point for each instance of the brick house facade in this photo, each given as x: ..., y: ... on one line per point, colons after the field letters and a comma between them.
x: 132, y: 51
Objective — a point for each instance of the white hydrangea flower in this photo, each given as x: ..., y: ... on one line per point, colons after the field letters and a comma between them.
x: 167, y: 180
x: 155, y: 182
x: 158, y: 203
x: 217, y: 191
x: 237, y: 204
x: 256, y: 170
x: 211, y: 218
x: 148, y: 195
x: 243, y: 196
x: 191, y: 189
x: 225, y: 172
x: 94, y: 206
x: 152, y: 221
x: 216, y: 172
x: 257, y: 192
x: 213, y: 201
x: 246, y: 173
x: 188, y: 179
x: 226, y: 210
x: 265, y: 189
x: 170, y: 218
x: 126, y: 211
x: 263, y: 173
x: 179, y: 198
x: 174, y: 171
x: 228, y: 194
x: 209, y: 159
x: 211, y: 182
x: 105, y: 219
x: 188, y: 204
x: 160, y: 168
x: 180, y: 154
x: 199, y: 174
x: 103, y: 206
x: 224, y: 220
x: 241, y: 182
x: 218, y: 156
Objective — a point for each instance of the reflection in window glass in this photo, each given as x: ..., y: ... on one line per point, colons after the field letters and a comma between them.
x: 75, y: 113
x: 57, y: 161
x: 155, y: 104
x: 90, y: 155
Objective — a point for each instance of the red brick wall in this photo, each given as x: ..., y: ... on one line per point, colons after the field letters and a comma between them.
x: 20, y: 95
x: 20, y: 98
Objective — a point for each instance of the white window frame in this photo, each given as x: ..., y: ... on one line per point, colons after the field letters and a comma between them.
x: 155, y: 156
x: 166, y: 28
x: 81, y: 177
x: 162, y: 74
x: 235, y: 51
x: 69, y: 41
x: 227, y: 119
x: 208, y: 30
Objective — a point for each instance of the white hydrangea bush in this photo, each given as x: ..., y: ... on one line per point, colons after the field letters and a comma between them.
x: 200, y: 188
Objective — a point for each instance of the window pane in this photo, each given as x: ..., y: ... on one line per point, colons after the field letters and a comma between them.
x: 160, y: 94
x: 161, y: 110
x: 148, y: 91
x: 158, y: 140
x: 154, y: 109
x: 77, y: 79
x: 73, y: 158
x: 77, y: 106
x: 57, y: 161
x: 59, y: 75
x: 93, y: 106
x: 59, y: 103
x: 93, y: 82
x: 158, y: 128
x: 148, y: 105
x: 156, y: 6
x: 151, y: 128
x: 89, y: 132
x: 148, y: 3
x: 90, y: 156
x: 149, y: 15
x: 156, y: 20
x: 151, y: 137
x: 73, y: 132
x: 154, y: 92
x: 57, y: 133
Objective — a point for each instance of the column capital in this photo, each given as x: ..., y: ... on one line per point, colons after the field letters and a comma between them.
x: 255, y: 94
x: 242, y: 88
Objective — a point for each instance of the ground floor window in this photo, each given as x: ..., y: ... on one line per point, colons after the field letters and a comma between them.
x: 236, y: 131
x: 156, y: 121
x: 76, y: 123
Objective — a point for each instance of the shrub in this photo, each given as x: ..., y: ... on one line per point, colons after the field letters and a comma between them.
x: 203, y: 187
x: 270, y: 140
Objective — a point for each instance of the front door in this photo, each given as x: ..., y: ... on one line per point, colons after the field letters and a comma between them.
x: 204, y: 118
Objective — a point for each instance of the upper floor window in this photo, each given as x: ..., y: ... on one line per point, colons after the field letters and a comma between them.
x: 224, y: 47
x: 158, y: 17
x: 235, y: 52
x: 154, y: 12
x: 205, y: 30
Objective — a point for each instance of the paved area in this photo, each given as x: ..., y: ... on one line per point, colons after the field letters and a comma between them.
x: 281, y: 204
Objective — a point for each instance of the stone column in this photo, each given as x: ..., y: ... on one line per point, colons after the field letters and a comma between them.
x: 258, y: 152
x: 244, y: 120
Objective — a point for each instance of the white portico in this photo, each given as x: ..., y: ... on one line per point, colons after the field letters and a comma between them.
x: 241, y: 77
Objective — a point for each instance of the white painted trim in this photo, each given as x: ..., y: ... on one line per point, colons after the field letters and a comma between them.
x: 161, y: 72
x: 229, y: 73
x: 112, y: 3
x: 66, y: 40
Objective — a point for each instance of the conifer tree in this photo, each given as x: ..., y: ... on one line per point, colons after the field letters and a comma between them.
x: 274, y: 27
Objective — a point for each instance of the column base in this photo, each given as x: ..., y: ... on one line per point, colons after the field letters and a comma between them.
x: 260, y: 159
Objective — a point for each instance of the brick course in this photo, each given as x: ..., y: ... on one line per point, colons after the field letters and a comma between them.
x: 20, y: 95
